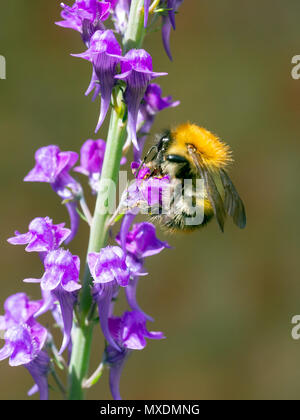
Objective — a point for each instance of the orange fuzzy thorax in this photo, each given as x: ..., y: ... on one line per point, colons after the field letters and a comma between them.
x: 213, y: 151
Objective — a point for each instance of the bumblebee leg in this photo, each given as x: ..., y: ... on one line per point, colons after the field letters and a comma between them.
x: 145, y: 159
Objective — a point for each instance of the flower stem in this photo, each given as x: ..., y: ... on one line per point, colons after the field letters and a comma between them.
x: 135, y: 33
x: 58, y: 382
x: 82, y: 339
x: 82, y: 333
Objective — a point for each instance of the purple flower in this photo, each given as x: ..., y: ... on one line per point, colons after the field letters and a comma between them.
x: 25, y: 339
x: 85, y: 16
x: 51, y: 163
x: 18, y: 309
x: 142, y: 242
x: 130, y: 332
x: 139, y: 243
x: 152, y: 103
x: 144, y: 192
x: 121, y: 15
x: 168, y: 23
x: 43, y: 236
x: 91, y: 161
x: 23, y: 342
x: 109, y: 266
x: 39, y: 369
x: 61, y: 279
x: 137, y: 71
x: 53, y: 166
x: 109, y: 271
x: 105, y: 53
x: 113, y: 3
x: 146, y: 11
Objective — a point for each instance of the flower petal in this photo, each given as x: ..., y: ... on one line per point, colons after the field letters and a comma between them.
x: 20, y: 239
x: 39, y: 369
x: 66, y: 301
x: 52, y: 278
x: 131, y: 298
x: 103, y: 295
x: 146, y: 12
x: 6, y: 351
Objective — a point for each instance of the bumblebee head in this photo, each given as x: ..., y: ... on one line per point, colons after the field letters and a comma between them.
x: 214, y: 153
x: 172, y: 151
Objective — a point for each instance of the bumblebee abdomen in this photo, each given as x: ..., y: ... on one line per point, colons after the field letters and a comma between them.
x: 185, y: 219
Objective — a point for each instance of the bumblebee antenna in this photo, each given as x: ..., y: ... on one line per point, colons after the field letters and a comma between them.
x: 145, y: 158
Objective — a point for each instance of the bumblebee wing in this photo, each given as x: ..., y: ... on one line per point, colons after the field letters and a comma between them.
x: 214, y: 196
x: 233, y: 203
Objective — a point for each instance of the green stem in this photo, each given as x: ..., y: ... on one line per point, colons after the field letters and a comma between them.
x: 82, y: 339
x: 58, y: 381
x: 135, y: 33
x: 82, y: 333
x: 109, y: 179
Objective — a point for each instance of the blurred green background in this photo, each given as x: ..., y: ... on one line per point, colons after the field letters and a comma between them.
x: 225, y: 302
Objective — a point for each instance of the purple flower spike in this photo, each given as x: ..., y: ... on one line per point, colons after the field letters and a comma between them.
x: 39, y: 369
x: 43, y: 236
x: 105, y: 53
x: 53, y: 166
x: 130, y: 332
x: 137, y: 71
x: 85, y: 16
x: 168, y: 23
x: 91, y: 161
x: 109, y: 271
x: 61, y: 279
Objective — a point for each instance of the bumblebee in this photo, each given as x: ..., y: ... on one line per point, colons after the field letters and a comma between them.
x: 191, y: 153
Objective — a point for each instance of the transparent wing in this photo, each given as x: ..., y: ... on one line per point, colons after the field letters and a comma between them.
x: 214, y: 196
x: 233, y: 204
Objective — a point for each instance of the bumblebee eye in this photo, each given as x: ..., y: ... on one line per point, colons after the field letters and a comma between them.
x: 176, y: 159
x: 164, y: 142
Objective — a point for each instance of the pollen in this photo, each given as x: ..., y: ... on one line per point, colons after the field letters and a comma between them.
x: 214, y: 152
